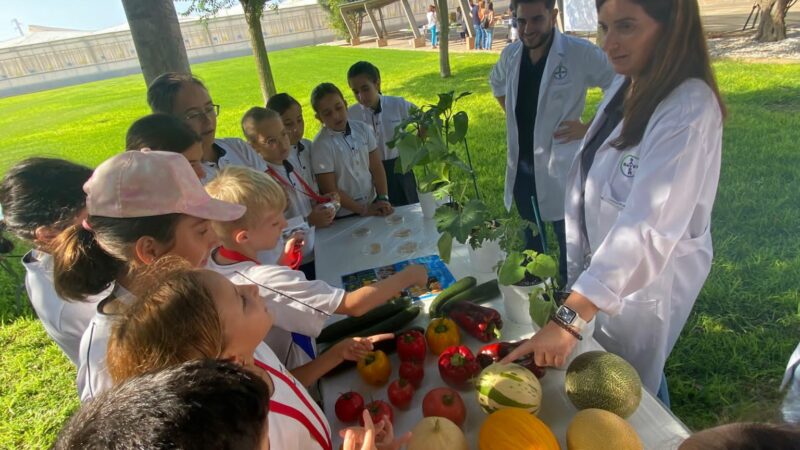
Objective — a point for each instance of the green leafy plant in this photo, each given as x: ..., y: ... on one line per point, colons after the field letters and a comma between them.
x: 427, y: 141
x: 528, y: 266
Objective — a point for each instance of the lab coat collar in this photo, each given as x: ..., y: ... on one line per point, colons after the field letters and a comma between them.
x: 618, y: 82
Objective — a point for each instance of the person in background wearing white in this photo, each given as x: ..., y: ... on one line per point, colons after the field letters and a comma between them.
x: 40, y: 198
x: 540, y: 82
x: 641, y: 192
x: 791, y: 381
x: 432, y: 21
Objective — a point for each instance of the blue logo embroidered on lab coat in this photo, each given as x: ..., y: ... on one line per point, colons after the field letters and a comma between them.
x: 628, y: 165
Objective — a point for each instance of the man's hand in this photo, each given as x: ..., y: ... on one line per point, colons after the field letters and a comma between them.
x: 570, y: 130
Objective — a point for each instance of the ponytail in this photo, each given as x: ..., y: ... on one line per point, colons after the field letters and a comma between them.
x: 87, y: 258
x: 80, y: 266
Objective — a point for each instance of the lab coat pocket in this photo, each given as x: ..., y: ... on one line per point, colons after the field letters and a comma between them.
x: 691, y: 245
x: 607, y: 214
x: 634, y: 330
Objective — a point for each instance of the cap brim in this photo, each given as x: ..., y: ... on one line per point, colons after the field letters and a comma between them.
x: 217, y: 210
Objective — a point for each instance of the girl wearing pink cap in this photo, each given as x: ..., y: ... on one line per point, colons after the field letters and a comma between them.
x: 141, y: 206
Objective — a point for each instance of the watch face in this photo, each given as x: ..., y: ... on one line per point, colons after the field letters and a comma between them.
x: 566, y: 314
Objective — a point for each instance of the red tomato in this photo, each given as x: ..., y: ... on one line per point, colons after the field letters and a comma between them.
x: 411, y: 346
x: 400, y: 393
x: 349, y: 406
x: 378, y: 409
x: 413, y: 372
x: 444, y: 402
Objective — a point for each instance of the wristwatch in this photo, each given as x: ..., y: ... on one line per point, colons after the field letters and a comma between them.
x: 568, y: 316
x: 382, y: 198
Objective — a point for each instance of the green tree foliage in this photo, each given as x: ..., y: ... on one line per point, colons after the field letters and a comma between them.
x: 336, y: 21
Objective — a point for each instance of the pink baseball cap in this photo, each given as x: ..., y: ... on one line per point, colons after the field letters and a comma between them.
x: 152, y: 183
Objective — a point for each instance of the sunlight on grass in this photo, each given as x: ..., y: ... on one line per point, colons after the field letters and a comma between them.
x: 725, y: 367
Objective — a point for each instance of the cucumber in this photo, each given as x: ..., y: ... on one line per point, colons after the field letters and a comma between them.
x: 454, y: 289
x: 350, y: 325
x: 391, y: 324
x: 479, y: 294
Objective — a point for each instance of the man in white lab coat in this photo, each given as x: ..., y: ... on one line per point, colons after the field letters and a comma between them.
x: 540, y: 82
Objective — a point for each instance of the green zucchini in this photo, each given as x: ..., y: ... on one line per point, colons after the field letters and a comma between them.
x: 391, y: 324
x: 479, y: 294
x: 454, y: 289
x: 350, y: 325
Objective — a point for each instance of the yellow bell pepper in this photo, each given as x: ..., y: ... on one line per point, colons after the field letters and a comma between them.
x: 375, y: 368
x: 442, y: 333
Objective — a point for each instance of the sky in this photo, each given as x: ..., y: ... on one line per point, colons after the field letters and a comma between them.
x: 72, y: 14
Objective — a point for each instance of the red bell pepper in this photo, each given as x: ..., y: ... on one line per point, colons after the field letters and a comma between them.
x: 457, y: 366
x: 492, y: 353
x: 413, y: 372
x: 479, y: 321
x: 411, y: 346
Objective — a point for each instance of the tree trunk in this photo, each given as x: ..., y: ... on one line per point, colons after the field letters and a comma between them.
x: 253, y: 17
x: 157, y: 37
x: 772, y: 26
x: 444, y: 38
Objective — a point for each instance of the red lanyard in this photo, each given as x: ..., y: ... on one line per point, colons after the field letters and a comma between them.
x: 295, y: 257
x: 307, y: 191
x: 233, y: 255
x: 324, y: 441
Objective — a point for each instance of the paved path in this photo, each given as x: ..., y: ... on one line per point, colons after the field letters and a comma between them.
x: 720, y: 17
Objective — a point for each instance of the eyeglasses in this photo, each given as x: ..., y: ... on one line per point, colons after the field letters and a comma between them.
x: 207, y: 113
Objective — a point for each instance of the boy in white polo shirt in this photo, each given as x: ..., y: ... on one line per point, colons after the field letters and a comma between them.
x: 264, y: 131
x: 296, y: 303
x: 345, y: 157
x: 383, y: 113
x: 185, y: 97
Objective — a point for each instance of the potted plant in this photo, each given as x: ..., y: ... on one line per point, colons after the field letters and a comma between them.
x: 428, y: 141
x: 422, y: 141
x: 526, y: 277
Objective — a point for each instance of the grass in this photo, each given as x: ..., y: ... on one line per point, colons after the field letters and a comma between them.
x: 728, y: 362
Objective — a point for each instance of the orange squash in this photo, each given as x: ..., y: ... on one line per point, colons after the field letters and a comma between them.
x: 515, y: 428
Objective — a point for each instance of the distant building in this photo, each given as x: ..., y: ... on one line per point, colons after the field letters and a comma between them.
x: 46, y: 57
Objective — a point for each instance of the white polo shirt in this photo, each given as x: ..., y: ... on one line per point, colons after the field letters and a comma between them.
x: 93, y: 377
x: 296, y: 304
x: 64, y: 321
x: 393, y: 110
x: 347, y: 156
x: 286, y: 432
x: 300, y: 157
x: 235, y: 152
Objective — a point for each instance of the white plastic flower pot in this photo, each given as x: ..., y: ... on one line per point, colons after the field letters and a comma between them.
x: 516, y: 303
x: 428, y: 204
x: 485, y: 258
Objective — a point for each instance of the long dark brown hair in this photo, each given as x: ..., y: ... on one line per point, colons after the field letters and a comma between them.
x: 681, y: 53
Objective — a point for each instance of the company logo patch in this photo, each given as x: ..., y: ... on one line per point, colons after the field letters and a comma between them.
x: 629, y: 165
x: 561, y: 72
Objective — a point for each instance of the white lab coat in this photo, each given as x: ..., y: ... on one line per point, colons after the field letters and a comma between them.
x: 573, y: 65
x: 648, y: 214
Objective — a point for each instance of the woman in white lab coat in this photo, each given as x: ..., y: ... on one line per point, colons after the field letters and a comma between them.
x: 640, y: 192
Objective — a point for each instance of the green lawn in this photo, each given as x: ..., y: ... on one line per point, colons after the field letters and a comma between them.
x: 728, y: 362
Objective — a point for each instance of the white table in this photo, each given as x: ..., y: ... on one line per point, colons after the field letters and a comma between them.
x: 338, y: 252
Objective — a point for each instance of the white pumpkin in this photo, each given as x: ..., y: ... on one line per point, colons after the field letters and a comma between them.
x: 437, y: 433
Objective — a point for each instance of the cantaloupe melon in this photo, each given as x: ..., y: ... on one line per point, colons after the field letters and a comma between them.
x: 603, y: 380
x: 597, y: 429
x: 508, y: 386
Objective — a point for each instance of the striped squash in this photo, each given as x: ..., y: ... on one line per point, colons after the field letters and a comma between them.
x: 508, y: 386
